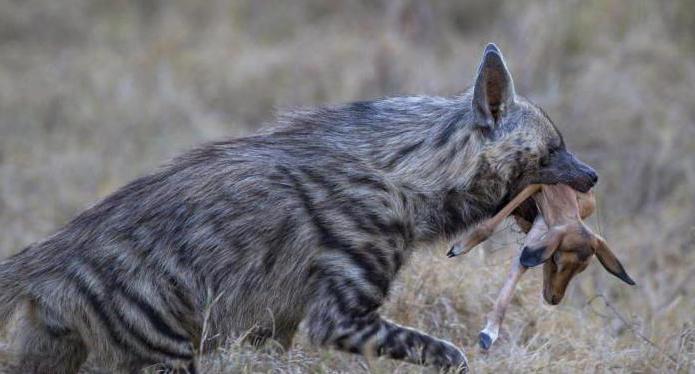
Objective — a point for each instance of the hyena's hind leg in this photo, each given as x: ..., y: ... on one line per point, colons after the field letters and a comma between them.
x: 332, y: 322
x: 40, y: 342
x: 277, y: 338
x: 191, y: 368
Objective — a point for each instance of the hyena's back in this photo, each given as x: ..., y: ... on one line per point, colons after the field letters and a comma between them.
x: 227, y: 227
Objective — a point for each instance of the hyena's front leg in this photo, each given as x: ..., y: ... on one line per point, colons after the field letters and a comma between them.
x: 347, y: 320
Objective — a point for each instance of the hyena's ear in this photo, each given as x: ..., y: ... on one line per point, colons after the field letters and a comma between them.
x: 610, y: 262
x: 493, y: 93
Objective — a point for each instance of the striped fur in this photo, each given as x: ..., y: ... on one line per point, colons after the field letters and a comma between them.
x: 309, y: 220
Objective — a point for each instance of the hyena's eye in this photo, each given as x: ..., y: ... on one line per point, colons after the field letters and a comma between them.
x: 544, y: 161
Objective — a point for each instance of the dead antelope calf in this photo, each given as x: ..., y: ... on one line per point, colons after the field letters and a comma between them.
x: 558, y: 238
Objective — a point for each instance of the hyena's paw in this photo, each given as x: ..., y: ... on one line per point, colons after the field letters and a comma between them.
x: 417, y: 347
x: 375, y: 336
x: 446, y: 355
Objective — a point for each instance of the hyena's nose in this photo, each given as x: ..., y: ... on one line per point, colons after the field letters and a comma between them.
x: 593, y: 176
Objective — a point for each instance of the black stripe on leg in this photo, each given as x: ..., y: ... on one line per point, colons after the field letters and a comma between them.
x: 368, y: 334
x: 147, y: 342
x: 379, y: 256
x: 423, y: 347
x: 339, y: 298
x: 152, y: 315
x: 397, y: 259
x: 279, y: 237
x: 438, y: 350
x: 329, y: 240
x: 192, y: 368
x: 362, y: 329
x: 350, y: 299
x: 99, y: 306
x: 374, y: 275
x: 177, y: 286
x: 391, y: 344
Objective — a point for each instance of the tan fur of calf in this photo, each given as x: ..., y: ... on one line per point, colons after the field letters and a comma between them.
x: 558, y: 234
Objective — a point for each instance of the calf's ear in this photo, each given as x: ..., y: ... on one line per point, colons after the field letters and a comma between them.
x: 610, y: 262
x: 539, y: 251
x: 493, y: 93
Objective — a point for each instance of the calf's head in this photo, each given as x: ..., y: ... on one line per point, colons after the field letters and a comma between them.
x: 565, y: 254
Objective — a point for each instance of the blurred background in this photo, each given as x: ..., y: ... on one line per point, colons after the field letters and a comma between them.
x: 95, y: 93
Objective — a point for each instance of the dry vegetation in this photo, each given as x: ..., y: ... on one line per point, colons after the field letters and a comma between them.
x: 94, y: 93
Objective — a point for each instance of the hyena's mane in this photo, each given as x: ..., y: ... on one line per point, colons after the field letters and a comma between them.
x: 429, y: 148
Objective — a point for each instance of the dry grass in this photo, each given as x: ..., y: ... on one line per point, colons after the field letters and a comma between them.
x: 93, y: 94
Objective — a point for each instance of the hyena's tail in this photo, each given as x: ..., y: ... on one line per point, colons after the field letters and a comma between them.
x: 10, y: 289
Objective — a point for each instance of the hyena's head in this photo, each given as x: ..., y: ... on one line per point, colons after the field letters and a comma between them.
x: 521, y: 135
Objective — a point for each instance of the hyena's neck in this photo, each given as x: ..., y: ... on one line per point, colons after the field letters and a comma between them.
x: 430, y: 147
x: 432, y: 143
x: 427, y: 146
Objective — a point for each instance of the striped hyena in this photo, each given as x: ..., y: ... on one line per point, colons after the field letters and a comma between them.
x: 310, y: 220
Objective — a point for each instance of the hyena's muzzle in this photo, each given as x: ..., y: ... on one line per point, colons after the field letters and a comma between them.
x: 563, y: 167
x: 560, y: 166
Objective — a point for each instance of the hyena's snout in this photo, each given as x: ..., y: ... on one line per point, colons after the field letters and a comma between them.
x: 584, y: 177
x: 587, y: 173
x: 565, y: 168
